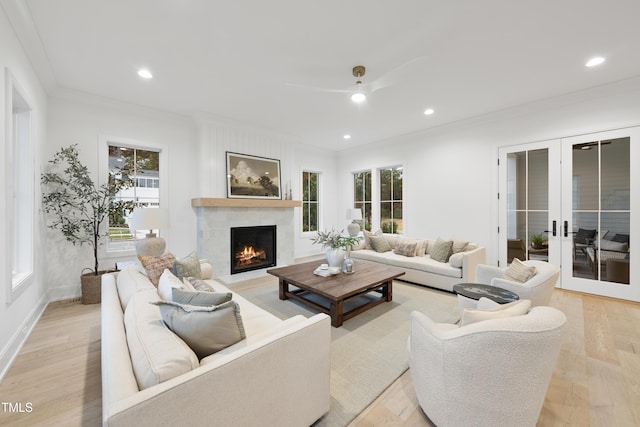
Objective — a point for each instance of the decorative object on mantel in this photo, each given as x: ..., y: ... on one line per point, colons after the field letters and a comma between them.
x: 150, y: 219
x: 336, y: 245
x: 253, y: 177
x: 78, y: 207
x: 354, y: 214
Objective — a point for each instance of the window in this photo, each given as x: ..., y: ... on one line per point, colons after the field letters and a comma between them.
x: 362, y: 196
x: 391, y: 200
x: 142, y: 166
x: 310, y: 199
x: 20, y: 173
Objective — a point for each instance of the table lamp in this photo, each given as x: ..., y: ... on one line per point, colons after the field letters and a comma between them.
x: 150, y: 219
x: 354, y: 214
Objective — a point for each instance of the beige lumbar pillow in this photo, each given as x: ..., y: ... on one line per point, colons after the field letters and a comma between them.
x: 512, y: 309
x: 519, y: 271
x: 206, y: 330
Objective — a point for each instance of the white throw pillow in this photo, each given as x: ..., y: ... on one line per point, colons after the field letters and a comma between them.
x: 455, y: 260
x: 166, y: 283
x: 512, y: 309
x: 519, y: 271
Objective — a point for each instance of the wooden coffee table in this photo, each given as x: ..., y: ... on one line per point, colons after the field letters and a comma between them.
x: 336, y: 290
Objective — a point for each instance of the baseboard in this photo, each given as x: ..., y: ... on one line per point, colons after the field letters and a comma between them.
x: 11, y: 350
x: 64, y: 293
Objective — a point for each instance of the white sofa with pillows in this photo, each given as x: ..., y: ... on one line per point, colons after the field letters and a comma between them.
x: 197, y: 363
x: 436, y: 263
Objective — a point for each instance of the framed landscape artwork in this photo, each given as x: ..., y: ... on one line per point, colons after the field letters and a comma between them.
x: 252, y: 177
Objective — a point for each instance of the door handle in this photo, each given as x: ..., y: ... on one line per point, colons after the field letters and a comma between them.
x: 553, y: 230
x: 566, y: 229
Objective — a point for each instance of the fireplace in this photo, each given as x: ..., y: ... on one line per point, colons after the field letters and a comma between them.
x: 252, y: 248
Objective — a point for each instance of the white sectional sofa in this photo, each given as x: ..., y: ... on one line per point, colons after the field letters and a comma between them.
x: 420, y: 268
x: 277, y: 376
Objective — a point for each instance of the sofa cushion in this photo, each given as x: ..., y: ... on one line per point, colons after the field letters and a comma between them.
x: 441, y: 250
x: 188, y: 266
x: 367, y: 238
x: 157, y: 354
x: 166, y: 283
x: 512, y: 309
x: 455, y: 260
x: 155, y: 265
x: 610, y: 245
x: 519, y: 271
x: 458, y: 246
x: 405, y: 248
x: 206, y: 330
x: 421, y: 244
x: 130, y: 281
x: 199, y: 298
x: 380, y: 244
x: 424, y: 263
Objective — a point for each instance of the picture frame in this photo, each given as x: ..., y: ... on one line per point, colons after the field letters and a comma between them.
x: 253, y: 177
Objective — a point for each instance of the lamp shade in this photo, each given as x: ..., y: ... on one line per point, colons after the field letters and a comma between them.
x: 150, y: 219
x: 354, y: 213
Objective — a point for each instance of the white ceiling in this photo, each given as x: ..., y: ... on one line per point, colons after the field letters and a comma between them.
x: 245, y: 60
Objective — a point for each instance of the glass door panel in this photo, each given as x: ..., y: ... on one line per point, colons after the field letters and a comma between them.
x: 598, y: 206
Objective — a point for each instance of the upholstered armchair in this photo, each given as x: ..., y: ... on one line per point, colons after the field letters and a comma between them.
x: 538, y: 288
x: 490, y: 373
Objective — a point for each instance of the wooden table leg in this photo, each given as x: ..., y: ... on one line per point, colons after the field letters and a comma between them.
x: 284, y: 289
x: 387, y: 290
x: 336, y: 311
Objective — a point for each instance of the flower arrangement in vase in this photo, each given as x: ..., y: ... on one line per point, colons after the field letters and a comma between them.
x: 336, y: 245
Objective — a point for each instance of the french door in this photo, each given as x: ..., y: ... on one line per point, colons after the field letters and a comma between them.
x: 580, y: 196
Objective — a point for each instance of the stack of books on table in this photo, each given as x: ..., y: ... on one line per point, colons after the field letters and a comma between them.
x: 326, y: 271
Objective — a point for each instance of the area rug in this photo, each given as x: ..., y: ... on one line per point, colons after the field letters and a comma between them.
x: 369, y: 351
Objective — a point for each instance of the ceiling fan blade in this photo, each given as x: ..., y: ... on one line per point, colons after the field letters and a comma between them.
x: 318, y: 89
x: 391, y: 77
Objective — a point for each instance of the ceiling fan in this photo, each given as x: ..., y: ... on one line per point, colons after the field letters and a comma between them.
x: 360, y: 91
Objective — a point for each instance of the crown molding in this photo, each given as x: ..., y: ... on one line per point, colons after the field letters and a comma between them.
x: 19, y: 16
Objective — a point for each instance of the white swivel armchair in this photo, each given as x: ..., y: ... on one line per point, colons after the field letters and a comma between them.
x: 538, y: 288
x: 490, y: 373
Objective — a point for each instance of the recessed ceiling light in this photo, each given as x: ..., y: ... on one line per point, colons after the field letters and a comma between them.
x: 145, y: 74
x: 347, y: 137
x: 595, y: 61
x: 429, y: 111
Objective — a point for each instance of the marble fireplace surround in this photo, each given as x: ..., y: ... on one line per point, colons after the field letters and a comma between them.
x: 216, y: 217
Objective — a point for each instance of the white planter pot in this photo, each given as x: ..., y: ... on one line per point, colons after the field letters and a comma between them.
x: 335, y: 257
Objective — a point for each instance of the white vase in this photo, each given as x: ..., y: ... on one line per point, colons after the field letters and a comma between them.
x: 335, y: 257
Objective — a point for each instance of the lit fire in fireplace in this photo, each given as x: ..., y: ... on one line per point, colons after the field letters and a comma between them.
x: 248, y: 255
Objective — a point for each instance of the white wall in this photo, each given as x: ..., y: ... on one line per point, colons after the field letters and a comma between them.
x: 17, y: 317
x: 216, y: 136
x: 450, y: 173
x: 83, y: 120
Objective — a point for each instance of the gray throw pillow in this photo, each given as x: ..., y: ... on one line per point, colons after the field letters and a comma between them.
x: 188, y: 266
x: 380, y: 244
x: 200, y: 298
x: 206, y: 330
x: 200, y: 285
x: 405, y: 248
x: 442, y: 250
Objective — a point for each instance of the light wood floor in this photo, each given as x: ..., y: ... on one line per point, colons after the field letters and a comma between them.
x: 596, y: 381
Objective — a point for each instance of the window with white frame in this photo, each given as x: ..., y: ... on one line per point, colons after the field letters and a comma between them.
x: 310, y: 201
x: 142, y: 167
x: 391, y: 200
x: 362, y: 196
x: 20, y: 173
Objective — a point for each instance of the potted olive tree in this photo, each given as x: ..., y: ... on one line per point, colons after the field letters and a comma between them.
x: 77, y: 207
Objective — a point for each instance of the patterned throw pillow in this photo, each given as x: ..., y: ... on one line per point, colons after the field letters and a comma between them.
x: 405, y: 248
x: 442, y: 250
x: 155, y: 265
x: 200, y: 285
x: 380, y: 244
x: 188, y: 266
x: 519, y: 272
